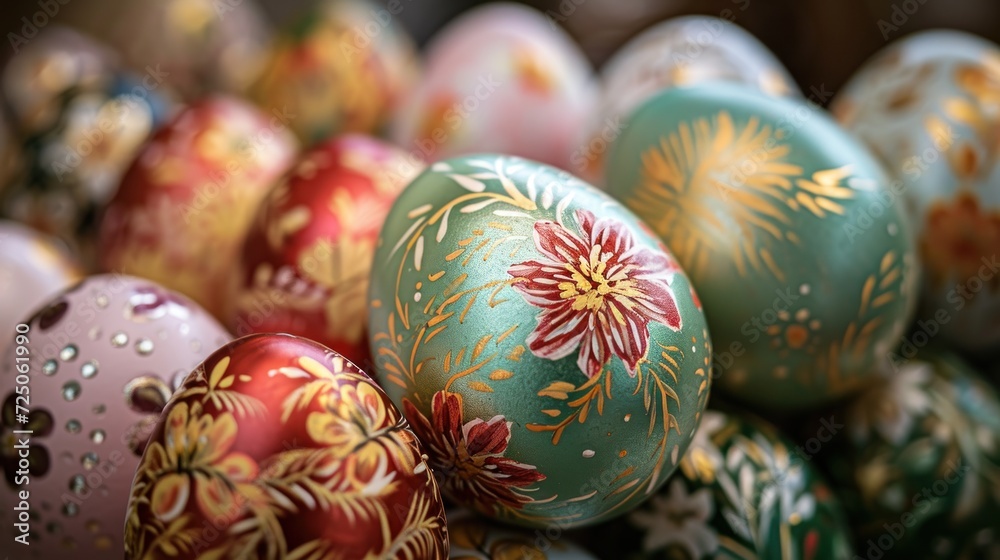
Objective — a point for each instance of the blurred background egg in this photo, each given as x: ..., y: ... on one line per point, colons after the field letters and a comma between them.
x: 33, y: 268
x: 544, y: 345
x: 105, y: 356
x: 196, y: 46
x: 678, y: 52
x: 290, y: 451
x: 307, y: 257
x: 80, y: 120
x: 777, y: 215
x: 56, y: 61
x: 929, y: 107
x: 186, y: 202
x: 500, y: 78
x: 918, y: 467
x: 478, y: 538
x: 338, y: 68
x: 744, y: 491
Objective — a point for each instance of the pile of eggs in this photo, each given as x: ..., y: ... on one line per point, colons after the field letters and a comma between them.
x: 341, y: 300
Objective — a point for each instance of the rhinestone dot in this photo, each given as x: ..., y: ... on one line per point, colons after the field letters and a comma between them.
x: 119, y: 339
x: 77, y: 484
x: 88, y: 369
x: 50, y: 367
x: 89, y: 460
x: 144, y: 346
x: 69, y: 509
x: 71, y: 390
x: 73, y: 426
x: 68, y: 353
x: 97, y: 436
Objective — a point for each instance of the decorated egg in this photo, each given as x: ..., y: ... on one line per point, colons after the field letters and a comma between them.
x: 542, y: 342
x: 33, y: 268
x: 744, y: 491
x: 81, y: 123
x: 186, y: 202
x: 928, y: 107
x: 341, y: 67
x: 500, y: 78
x: 477, y: 538
x: 678, y: 52
x: 919, y: 463
x: 56, y: 61
x: 197, y: 46
x: 86, y: 377
x: 283, y: 449
x: 781, y: 221
x: 308, y: 254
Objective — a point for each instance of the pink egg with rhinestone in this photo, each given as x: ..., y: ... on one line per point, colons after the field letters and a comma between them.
x: 103, y: 358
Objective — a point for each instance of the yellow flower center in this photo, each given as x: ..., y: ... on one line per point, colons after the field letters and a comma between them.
x: 590, y: 284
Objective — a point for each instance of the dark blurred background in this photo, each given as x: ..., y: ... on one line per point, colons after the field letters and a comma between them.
x: 820, y: 41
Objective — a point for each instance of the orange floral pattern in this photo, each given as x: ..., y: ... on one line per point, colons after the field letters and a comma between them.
x: 958, y: 235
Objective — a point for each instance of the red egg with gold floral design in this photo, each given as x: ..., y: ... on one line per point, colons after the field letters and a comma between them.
x: 277, y: 447
x: 307, y: 256
x: 184, y: 205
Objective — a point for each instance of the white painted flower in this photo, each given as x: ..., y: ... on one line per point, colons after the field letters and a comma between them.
x: 678, y: 519
x: 784, y: 487
x: 891, y: 408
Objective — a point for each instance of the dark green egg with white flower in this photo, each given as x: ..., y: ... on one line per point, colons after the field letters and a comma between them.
x: 918, y: 466
x: 744, y: 491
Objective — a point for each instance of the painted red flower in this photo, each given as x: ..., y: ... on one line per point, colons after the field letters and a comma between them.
x: 598, y: 290
x: 469, y: 458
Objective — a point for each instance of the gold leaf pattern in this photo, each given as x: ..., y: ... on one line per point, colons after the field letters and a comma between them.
x: 702, y: 167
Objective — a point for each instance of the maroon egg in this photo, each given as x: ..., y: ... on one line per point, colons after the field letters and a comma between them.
x: 307, y: 255
x: 277, y: 447
x: 184, y: 205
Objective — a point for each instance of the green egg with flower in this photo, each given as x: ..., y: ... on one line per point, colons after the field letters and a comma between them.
x: 542, y: 342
